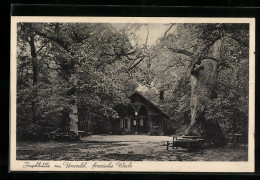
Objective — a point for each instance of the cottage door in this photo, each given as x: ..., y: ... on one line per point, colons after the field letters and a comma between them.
x: 141, y: 125
x: 133, y: 125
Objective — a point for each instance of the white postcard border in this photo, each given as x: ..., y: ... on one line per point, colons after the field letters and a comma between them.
x: 136, y: 166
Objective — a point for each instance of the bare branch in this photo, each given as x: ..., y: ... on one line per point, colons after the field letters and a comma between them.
x: 224, y: 64
x: 246, y: 44
x: 168, y: 30
x: 117, y: 54
x: 211, y: 58
x: 147, y: 36
x: 205, y: 50
x: 53, y: 38
x: 129, y: 53
x: 182, y: 51
x: 178, y: 64
x: 132, y: 59
x: 42, y: 47
x: 138, y: 62
x: 106, y: 54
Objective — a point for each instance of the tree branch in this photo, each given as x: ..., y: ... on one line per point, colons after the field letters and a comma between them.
x: 195, y: 69
x: 246, y: 44
x: 225, y: 64
x: 178, y: 63
x: 205, y: 50
x: 132, y: 67
x: 165, y: 33
x: 147, y: 36
x: 106, y: 54
x: 209, y: 57
x: 182, y: 51
x: 132, y: 59
x: 129, y: 53
x: 52, y: 38
x: 117, y: 54
x: 42, y: 47
x: 58, y: 71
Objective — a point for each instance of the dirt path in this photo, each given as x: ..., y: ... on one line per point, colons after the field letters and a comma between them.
x: 124, y: 148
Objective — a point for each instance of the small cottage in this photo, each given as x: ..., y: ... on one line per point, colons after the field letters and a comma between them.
x: 140, y: 116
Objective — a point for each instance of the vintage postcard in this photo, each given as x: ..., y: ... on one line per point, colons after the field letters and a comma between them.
x: 132, y: 94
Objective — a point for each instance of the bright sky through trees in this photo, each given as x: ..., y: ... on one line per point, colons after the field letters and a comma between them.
x: 155, y: 31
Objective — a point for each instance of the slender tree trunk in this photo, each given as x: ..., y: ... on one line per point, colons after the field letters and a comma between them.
x: 35, y: 73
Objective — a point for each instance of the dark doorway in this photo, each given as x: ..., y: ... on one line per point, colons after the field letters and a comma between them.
x: 139, y: 121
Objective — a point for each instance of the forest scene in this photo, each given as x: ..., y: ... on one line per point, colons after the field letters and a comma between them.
x: 197, y: 73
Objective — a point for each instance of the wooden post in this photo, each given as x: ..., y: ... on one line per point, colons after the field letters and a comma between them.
x: 176, y: 143
x: 173, y: 142
x: 167, y: 145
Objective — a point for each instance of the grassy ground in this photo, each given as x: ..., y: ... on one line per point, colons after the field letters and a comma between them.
x: 124, y: 148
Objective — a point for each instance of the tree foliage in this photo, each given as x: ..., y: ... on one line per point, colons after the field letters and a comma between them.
x: 96, y: 66
x: 82, y: 64
x: 189, y: 48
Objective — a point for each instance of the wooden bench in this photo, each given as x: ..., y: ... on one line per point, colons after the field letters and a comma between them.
x: 84, y: 134
x: 65, y: 136
x: 188, y: 137
x: 237, y: 138
x: 190, y: 142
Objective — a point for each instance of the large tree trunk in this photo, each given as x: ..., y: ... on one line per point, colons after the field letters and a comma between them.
x: 203, y: 86
x: 65, y: 46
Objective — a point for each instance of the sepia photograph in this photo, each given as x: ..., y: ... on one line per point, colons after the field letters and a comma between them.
x: 105, y: 93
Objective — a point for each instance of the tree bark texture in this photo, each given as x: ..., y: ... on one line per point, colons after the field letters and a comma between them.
x: 34, y: 60
x: 203, y: 86
x: 35, y: 74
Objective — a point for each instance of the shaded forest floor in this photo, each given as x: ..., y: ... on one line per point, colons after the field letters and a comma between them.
x: 124, y: 148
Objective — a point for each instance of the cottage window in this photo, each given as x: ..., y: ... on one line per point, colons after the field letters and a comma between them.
x: 156, y: 123
x: 121, y: 123
x: 125, y: 123
x: 141, y: 122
